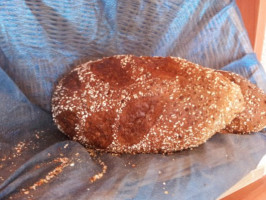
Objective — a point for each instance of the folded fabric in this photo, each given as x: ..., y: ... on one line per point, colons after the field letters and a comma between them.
x: 42, y: 40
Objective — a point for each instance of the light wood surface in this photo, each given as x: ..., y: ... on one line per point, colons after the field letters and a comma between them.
x: 253, y: 191
x: 254, y: 16
x: 250, y: 187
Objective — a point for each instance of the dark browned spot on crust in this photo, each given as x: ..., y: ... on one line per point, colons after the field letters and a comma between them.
x: 72, y: 81
x: 181, y: 97
x: 67, y: 121
x: 110, y: 70
x: 137, y: 119
x: 98, y: 129
x: 164, y: 68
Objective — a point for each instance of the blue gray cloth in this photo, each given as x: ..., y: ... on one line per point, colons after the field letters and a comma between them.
x: 40, y: 40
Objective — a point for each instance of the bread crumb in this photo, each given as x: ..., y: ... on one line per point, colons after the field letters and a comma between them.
x: 104, y: 167
x: 63, y: 163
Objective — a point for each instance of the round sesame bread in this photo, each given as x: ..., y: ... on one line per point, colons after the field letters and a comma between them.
x: 253, y: 118
x: 129, y: 104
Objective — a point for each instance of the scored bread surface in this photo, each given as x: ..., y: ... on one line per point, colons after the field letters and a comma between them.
x: 129, y: 104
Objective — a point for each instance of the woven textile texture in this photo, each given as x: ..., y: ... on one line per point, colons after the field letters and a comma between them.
x: 41, y: 40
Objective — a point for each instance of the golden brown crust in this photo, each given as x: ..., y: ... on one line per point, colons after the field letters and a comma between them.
x: 129, y: 104
x: 253, y: 118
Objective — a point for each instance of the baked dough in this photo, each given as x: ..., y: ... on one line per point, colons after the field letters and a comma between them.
x: 129, y: 104
x: 253, y: 118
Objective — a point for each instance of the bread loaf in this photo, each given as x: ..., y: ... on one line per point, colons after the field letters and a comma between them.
x: 129, y: 104
x: 253, y: 118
